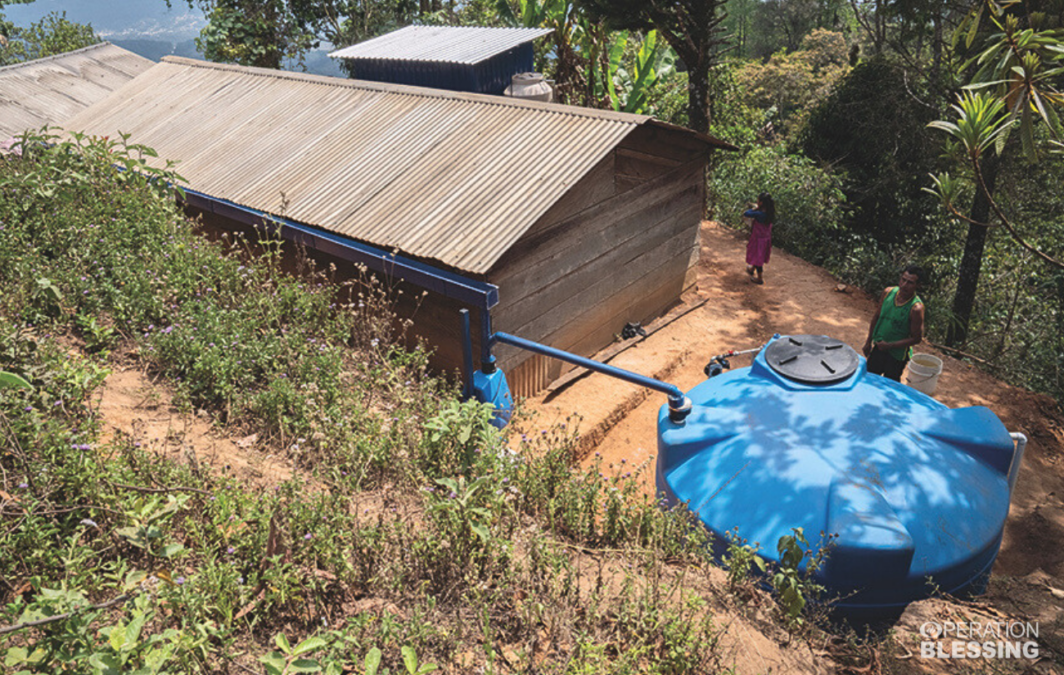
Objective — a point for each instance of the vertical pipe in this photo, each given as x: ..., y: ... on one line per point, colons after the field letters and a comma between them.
x: 487, y: 339
x: 467, y: 355
x: 1017, y: 457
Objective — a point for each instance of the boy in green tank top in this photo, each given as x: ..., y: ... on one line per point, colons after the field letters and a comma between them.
x: 896, y: 327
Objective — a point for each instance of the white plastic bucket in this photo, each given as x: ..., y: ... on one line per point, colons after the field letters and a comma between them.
x: 924, y: 370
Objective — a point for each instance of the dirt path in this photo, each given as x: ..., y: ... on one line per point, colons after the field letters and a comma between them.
x: 800, y: 298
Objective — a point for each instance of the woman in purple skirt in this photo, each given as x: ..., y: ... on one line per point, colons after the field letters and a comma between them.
x: 759, y: 248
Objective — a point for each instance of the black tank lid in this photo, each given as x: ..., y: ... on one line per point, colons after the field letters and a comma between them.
x: 812, y: 359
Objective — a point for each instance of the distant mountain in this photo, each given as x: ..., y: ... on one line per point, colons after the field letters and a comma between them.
x: 146, y: 27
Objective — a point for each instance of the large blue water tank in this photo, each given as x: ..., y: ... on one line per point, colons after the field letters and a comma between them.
x: 916, y: 493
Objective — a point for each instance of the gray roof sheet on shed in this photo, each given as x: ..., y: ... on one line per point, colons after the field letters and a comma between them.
x: 453, y: 177
x: 448, y: 44
x: 52, y: 89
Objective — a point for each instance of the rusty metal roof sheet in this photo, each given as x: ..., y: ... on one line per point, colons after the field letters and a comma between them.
x: 452, y: 177
x: 448, y: 44
x: 49, y: 90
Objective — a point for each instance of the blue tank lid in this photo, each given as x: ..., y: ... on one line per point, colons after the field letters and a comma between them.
x: 912, y: 489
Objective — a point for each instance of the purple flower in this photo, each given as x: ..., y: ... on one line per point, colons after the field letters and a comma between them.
x: 23, y: 486
x: 28, y: 408
x: 179, y: 581
x: 307, y: 536
x: 89, y: 522
x: 230, y: 550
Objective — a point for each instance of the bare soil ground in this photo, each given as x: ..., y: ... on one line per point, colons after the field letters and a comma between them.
x: 134, y: 406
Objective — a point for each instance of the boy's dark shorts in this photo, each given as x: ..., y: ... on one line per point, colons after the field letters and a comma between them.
x: 880, y: 362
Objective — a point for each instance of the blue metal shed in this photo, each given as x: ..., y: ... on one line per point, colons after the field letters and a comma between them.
x: 467, y: 58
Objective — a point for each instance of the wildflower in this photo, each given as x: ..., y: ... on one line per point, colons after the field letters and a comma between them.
x: 179, y: 581
x: 28, y: 408
x: 307, y: 536
x: 23, y: 486
x: 230, y: 550
x: 89, y: 522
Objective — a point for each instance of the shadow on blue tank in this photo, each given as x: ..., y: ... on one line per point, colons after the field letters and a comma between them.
x: 916, y: 493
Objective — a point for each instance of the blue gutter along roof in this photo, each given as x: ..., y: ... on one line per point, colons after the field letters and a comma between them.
x: 474, y: 293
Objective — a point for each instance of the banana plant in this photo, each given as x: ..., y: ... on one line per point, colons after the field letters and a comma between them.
x: 653, y: 61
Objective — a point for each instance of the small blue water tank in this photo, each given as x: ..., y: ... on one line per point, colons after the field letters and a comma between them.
x: 494, y: 389
x: 916, y: 493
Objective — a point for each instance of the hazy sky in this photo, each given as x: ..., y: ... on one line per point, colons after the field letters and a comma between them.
x: 119, y: 19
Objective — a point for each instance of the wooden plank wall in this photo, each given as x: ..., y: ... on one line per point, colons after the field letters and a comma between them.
x: 619, y: 247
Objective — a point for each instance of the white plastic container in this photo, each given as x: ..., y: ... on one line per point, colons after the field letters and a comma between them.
x: 924, y: 370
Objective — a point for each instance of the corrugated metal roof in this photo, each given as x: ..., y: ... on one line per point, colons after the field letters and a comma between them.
x: 453, y: 177
x: 450, y: 44
x: 52, y: 89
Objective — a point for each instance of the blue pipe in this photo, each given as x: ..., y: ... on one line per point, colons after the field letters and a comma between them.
x: 487, y: 359
x: 467, y: 355
x: 477, y: 294
x: 679, y: 405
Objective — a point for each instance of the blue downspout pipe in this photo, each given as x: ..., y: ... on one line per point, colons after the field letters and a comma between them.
x: 467, y: 355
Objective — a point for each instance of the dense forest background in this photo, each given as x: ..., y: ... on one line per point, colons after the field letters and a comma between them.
x: 889, y: 131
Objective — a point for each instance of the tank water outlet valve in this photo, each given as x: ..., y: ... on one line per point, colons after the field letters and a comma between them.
x: 679, y: 409
x: 631, y: 330
x: 716, y: 366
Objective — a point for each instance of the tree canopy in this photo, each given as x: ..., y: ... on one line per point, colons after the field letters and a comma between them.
x: 53, y: 34
x: 691, y: 27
